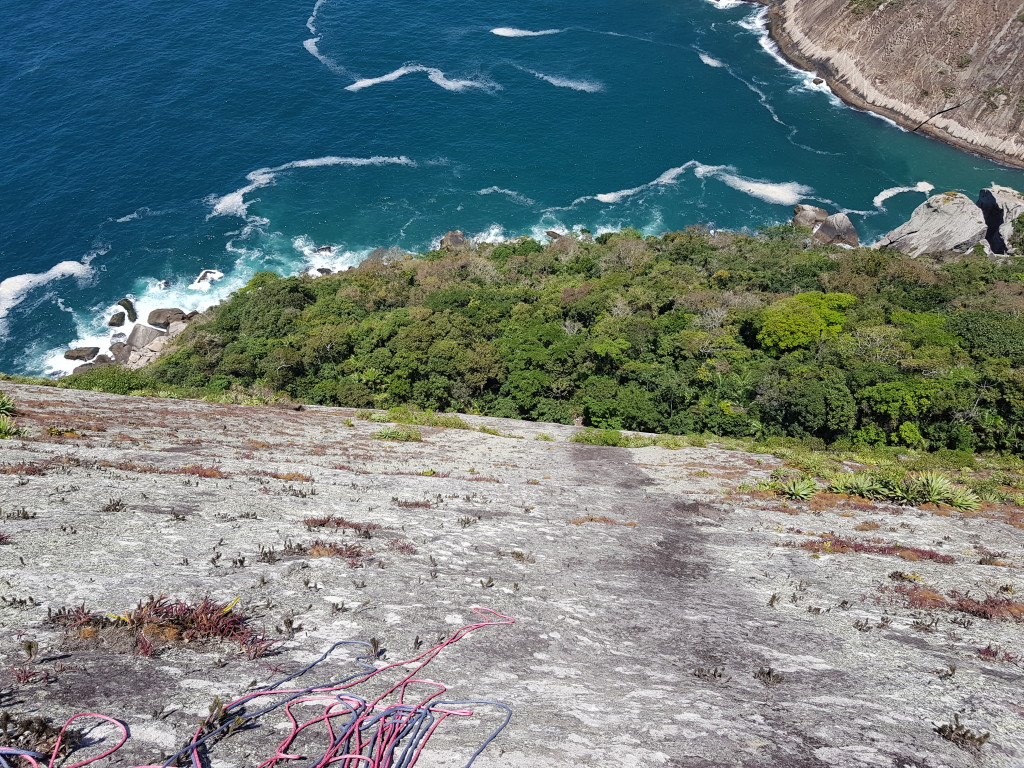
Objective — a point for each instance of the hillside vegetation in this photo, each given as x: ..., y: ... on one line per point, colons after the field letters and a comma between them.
x: 734, y: 335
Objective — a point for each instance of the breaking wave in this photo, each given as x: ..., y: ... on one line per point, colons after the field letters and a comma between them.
x: 921, y: 186
x: 435, y: 76
x: 513, y: 32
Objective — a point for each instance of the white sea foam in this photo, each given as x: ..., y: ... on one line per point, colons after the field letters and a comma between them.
x: 333, y: 257
x: 512, y: 194
x: 513, y: 32
x: 711, y: 61
x: 15, y: 289
x: 493, y: 234
x: 922, y: 186
x: 206, y: 279
x: 234, y: 203
x: 725, y: 4
x: 435, y: 76
x: 671, y: 176
x: 780, y: 193
x: 136, y: 215
x: 589, y: 86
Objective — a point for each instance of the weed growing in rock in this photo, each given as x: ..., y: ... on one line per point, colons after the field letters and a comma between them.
x: 5, y: 538
x: 768, y: 676
x: 198, y: 470
x: 37, y: 734
x: 165, y: 621
x: 601, y: 519
x: 829, y: 543
x: 961, y: 735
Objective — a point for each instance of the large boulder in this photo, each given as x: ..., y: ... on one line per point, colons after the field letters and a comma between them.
x: 81, y: 353
x: 116, y: 320
x: 837, y: 229
x: 101, y: 361
x: 142, y: 336
x: 809, y: 216
x: 453, y: 241
x: 946, y: 222
x: 162, y: 318
x: 1000, y: 207
x: 129, y: 307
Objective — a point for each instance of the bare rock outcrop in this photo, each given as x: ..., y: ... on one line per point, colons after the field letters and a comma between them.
x: 1001, y: 207
x: 837, y: 229
x: 950, y: 69
x: 809, y: 216
x: 830, y: 229
x: 454, y: 240
x: 947, y: 222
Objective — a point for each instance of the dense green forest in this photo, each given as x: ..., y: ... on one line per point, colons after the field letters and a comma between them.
x: 692, y: 331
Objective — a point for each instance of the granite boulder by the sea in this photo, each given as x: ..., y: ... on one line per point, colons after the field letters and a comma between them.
x: 142, y: 143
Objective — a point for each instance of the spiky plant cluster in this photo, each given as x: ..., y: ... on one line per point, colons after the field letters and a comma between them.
x: 8, y: 428
x: 798, y: 488
x: 6, y: 405
x: 929, y: 487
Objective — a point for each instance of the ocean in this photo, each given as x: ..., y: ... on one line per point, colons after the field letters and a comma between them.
x: 143, y: 142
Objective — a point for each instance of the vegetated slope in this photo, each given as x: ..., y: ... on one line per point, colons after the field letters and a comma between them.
x: 666, y: 614
x: 952, y: 69
x: 686, y: 333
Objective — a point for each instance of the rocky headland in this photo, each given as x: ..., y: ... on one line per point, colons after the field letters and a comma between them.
x: 945, y: 68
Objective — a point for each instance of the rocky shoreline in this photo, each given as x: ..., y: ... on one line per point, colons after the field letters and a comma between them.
x: 948, y: 224
x: 864, y: 82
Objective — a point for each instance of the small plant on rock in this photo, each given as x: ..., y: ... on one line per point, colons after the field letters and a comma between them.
x: 8, y: 428
x: 798, y: 488
x: 400, y: 435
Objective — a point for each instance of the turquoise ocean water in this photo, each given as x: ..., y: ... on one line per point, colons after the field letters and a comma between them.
x: 145, y: 141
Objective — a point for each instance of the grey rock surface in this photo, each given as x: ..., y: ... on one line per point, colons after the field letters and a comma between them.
x: 1000, y: 206
x: 809, y: 216
x: 81, y: 353
x: 116, y: 320
x: 837, y: 229
x: 946, y: 222
x: 454, y: 240
x: 161, y: 318
x: 626, y: 571
x: 129, y: 307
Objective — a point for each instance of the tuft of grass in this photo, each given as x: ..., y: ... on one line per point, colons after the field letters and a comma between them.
x: 830, y: 543
x: 398, y: 434
x: 6, y: 405
x: 544, y: 437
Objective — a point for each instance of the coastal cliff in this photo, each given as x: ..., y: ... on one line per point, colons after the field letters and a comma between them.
x: 951, y: 70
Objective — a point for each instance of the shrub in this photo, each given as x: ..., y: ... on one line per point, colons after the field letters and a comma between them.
x: 608, y: 437
x: 8, y: 428
x: 6, y: 405
x: 111, y: 378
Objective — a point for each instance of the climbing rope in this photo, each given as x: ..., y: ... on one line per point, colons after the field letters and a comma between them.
x: 389, y: 731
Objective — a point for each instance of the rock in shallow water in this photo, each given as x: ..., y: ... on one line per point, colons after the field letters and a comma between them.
x: 81, y: 353
x: 162, y: 318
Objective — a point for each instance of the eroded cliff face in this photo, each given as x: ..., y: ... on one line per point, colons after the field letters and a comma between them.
x: 948, y: 68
